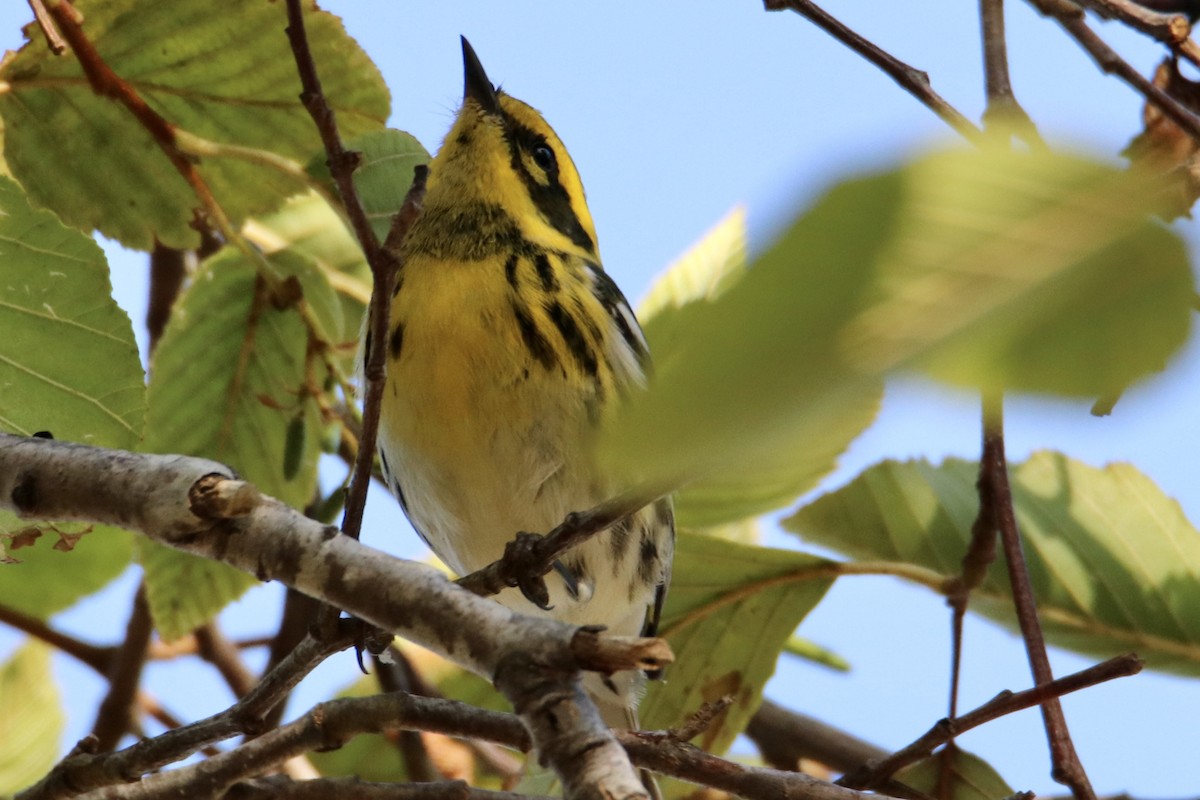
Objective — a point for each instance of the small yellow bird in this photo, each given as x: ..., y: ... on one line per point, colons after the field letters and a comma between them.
x: 508, y: 345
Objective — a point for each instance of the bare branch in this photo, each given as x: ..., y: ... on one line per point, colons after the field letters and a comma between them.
x: 124, y: 675
x: 1070, y: 17
x: 912, y: 80
x: 879, y: 770
x: 279, y: 788
x: 195, y: 505
x: 784, y: 737
x: 54, y: 39
x: 223, y: 654
x: 529, y: 556
x: 167, y: 271
x: 993, y: 482
x: 84, y: 770
x: 96, y: 657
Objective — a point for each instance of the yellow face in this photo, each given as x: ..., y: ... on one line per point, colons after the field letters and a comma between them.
x: 507, y: 157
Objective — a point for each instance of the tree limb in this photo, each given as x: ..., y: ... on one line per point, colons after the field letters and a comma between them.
x: 197, y: 506
x: 912, y: 80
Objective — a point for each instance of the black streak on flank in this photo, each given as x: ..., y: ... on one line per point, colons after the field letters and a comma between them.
x: 613, y: 301
x: 510, y: 271
x: 573, y: 337
x: 618, y: 543
x: 647, y: 560
x: 535, y: 343
x: 396, y: 341
x: 545, y: 272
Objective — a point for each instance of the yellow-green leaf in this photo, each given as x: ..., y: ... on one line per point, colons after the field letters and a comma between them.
x: 88, y: 159
x: 1035, y: 271
x: 730, y: 610
x: 68, y: 360
x: 1115, y: 564
x: 231, y: 377
x: 68, y: 365
x: 1020, y: 270
x: 33, y: 720
x: 677, y: 305
x: 971, y: 778
x: 384, y: 173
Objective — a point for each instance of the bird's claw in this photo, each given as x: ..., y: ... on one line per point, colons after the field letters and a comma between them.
x: 521, y: 556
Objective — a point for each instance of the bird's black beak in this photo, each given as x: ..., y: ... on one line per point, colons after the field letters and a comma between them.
x: 476, y: 85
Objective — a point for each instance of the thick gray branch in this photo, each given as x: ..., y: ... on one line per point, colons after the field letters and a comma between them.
x: 199, y: 506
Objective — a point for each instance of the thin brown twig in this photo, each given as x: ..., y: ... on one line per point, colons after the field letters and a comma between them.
x: 115, y: 715
x: 383, y: 260
x: 912, y: 80
x: 530, y: 556
x: 107, y: 83
x: 876, y: 772
x: 96, y: 657
x: 85, y: 770
x: 1170, y: 28
x: 1071, y: 18
x: 168, y: 266
x: 148, y: 704
x: 278, y: 787
x: 213, y: 647
x: 54, y: 39
x: 1066, y: 767
x: 784, y: 737
x: 395, y: 675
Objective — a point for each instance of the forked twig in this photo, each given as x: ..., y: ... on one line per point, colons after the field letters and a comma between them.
x: 876, y: 772
x: 912, y: 80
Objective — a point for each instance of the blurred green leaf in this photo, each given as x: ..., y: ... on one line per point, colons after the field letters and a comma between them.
x: 816, y: 654
x: 1115, y: 564
x: 684, y: 302
x: 1032, y: 271
x: 972, y: 778
x: 113, y: 177
x: 231, y: 376
x: 1037, y: 271
x: 33, y: 720
x: 730, y: 610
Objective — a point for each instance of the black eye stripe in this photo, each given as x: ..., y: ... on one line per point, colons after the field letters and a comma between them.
x: 551, y: 198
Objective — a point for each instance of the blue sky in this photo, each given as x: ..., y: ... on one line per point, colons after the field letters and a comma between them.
x: 675, y: 111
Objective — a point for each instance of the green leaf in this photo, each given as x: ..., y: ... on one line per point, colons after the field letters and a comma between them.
x: 67, y: 562
x: 113, y: 176
x: 1115, y: 564
x: 384, y: 173
x: 815, y: 654
x: 1035, y: 271
x: 730, y: 610
x: 972, y: 778
x: 731, y: 351
x: 69, y: 365
x: 68, y: 360
x: 33, y: 720
x: 230, y: 378
x: 307, y: 225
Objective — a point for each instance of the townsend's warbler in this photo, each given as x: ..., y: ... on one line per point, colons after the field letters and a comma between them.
x: 508, y: 344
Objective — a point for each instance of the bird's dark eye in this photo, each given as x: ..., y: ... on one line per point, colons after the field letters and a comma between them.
x: 543, y: 156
